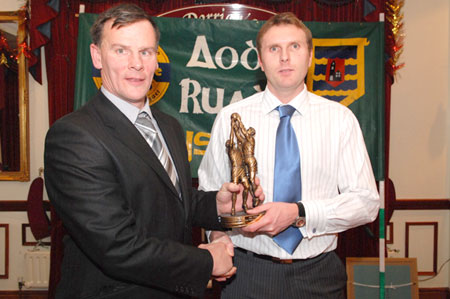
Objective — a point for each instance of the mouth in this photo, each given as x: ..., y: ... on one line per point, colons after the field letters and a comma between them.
x: 134, y: 80
x: 285, y: 71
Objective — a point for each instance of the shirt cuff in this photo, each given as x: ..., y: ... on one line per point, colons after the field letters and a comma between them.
x: 315, y: 213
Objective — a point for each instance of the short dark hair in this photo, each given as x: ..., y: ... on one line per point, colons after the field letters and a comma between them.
x: 122, y: 15
x: 285, y: 18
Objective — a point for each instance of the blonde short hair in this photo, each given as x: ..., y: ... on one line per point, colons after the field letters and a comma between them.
x: 285, y: 18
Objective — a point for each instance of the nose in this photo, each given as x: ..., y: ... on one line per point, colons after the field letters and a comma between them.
x: 135, y: 61
x: 284, y: 56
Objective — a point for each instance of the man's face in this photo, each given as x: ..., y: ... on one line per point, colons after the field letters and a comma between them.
x: 285, y: 59
x: 127, y: 58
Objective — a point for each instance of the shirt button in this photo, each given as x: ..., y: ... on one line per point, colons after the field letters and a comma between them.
x: 314, y: 230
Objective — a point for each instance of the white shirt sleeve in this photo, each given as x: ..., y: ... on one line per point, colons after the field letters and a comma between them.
x: 214, y: 169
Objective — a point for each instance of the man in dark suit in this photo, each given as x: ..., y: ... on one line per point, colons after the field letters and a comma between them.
x: 128, y: 207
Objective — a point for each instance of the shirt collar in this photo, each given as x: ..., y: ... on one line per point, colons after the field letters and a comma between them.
x: 300, y: 102
x: 129, y: 110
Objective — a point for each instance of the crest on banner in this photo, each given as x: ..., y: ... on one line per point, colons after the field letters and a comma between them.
x: 337, y: 69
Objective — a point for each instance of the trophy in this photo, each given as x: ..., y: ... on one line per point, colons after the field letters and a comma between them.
x: 241, y: 152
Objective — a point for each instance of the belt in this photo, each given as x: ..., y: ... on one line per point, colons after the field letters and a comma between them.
x: 268, y: 257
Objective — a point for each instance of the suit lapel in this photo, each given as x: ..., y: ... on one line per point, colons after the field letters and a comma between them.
x: 123, y: 130
x: 176, y: 152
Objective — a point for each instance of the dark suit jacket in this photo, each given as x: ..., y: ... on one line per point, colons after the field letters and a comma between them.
x: 128, y: 231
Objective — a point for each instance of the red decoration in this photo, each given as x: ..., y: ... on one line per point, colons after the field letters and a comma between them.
x: 3, y: 43
x: 395, y: 34
x: 24, y: 49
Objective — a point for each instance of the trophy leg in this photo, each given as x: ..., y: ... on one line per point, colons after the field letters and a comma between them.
x: 244, y: 200
x: 256, y: 201
x: 233, y: 204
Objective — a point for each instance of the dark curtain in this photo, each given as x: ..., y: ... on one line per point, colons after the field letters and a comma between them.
x: 9, y: 119
x: 60, y: 54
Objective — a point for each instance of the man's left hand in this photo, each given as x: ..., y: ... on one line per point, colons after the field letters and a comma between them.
x: 278, y: 216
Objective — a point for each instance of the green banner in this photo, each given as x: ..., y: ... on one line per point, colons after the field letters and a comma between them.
x: 205, y: 65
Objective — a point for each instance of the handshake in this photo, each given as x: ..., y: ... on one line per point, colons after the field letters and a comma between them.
x: 222, y: 252
x: 221, y: 247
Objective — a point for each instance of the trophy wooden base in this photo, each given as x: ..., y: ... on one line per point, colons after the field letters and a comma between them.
x: 239, y: 220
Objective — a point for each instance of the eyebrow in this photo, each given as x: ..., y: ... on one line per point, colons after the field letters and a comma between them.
x: 127, y: 47
x: 149, y: 49
x: 118, y: 45
x: 290, y: 43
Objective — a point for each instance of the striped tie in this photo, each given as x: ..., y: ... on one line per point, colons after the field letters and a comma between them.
x: 145, y: 125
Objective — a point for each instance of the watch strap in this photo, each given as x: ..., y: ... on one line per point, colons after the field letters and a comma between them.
x: 301, y: 209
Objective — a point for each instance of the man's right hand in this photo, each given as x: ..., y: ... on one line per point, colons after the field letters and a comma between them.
x: 223, y: 259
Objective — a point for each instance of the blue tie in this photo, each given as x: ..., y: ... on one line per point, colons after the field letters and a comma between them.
x: 287, y: 184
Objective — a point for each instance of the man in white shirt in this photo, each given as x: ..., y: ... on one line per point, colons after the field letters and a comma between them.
x: 338, y: 189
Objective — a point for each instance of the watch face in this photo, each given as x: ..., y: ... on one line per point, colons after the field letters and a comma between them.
x: 300, y: 222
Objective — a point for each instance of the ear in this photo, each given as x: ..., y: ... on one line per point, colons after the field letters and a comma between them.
x: 96, y: 56
x: 310, y: 58
x: 260, y: 62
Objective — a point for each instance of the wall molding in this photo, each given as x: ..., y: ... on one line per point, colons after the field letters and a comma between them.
x: 389, y: 233
x: 434, y: 293
x: 422, y: 204
x: 23, y: 294
x: 18, y: 205
x: 5, y: 273
x: 434, y: 226
x: 26, y: 231
x: 399, y: 204
x: 424, y: 293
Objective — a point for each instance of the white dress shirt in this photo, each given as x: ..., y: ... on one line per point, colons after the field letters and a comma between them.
x: 338, y: 185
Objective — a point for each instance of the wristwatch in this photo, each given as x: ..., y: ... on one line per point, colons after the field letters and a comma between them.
x: 300, y: 220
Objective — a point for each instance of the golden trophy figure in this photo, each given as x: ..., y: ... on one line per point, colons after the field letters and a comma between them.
x: 246, y: 138
x: 243, y: 171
